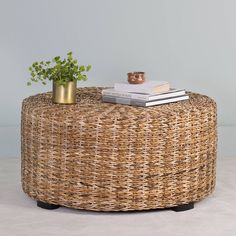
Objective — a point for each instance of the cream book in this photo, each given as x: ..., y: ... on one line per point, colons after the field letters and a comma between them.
x: 148, y: 87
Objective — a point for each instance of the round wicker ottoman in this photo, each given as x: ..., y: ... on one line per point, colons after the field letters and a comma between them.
x: 111, y: 157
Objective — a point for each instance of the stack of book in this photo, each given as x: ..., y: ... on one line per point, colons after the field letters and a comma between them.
x: 150, y: 93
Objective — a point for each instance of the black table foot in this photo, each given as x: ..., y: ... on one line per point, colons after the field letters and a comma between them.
x: 183, y: 207
x: 47, y: 206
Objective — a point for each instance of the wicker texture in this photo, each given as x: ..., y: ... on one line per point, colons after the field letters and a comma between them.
x: 111, y: 157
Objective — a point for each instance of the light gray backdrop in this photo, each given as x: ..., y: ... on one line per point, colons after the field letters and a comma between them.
x: 190, y: 43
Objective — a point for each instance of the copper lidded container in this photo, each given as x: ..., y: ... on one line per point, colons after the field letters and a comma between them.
x: 136, y: 77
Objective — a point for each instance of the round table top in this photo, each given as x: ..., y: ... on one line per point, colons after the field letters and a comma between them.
x: 89, y: 104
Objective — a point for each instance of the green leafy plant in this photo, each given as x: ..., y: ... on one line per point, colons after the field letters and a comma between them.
x: 59, y: 70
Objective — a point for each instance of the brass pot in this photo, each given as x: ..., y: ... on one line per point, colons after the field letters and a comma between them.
x: 64, y: 94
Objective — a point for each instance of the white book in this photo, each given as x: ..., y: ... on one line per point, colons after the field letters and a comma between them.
x: 148, y: 87
x: 144, y: 97
x: 133, y: 102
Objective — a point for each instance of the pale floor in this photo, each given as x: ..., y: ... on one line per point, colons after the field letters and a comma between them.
x: 214, y: 216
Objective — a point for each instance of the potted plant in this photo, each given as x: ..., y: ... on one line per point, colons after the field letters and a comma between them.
x: 64, y: 74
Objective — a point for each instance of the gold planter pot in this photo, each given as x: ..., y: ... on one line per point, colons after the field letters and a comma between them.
x: 64, y: 94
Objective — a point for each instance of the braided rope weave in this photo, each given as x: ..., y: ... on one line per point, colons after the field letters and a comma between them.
x: 111, y: 157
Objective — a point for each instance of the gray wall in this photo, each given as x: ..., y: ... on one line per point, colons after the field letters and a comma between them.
x: 191, y: 43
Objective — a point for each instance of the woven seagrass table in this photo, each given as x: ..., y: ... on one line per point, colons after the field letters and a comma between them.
x: 111, y: 157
